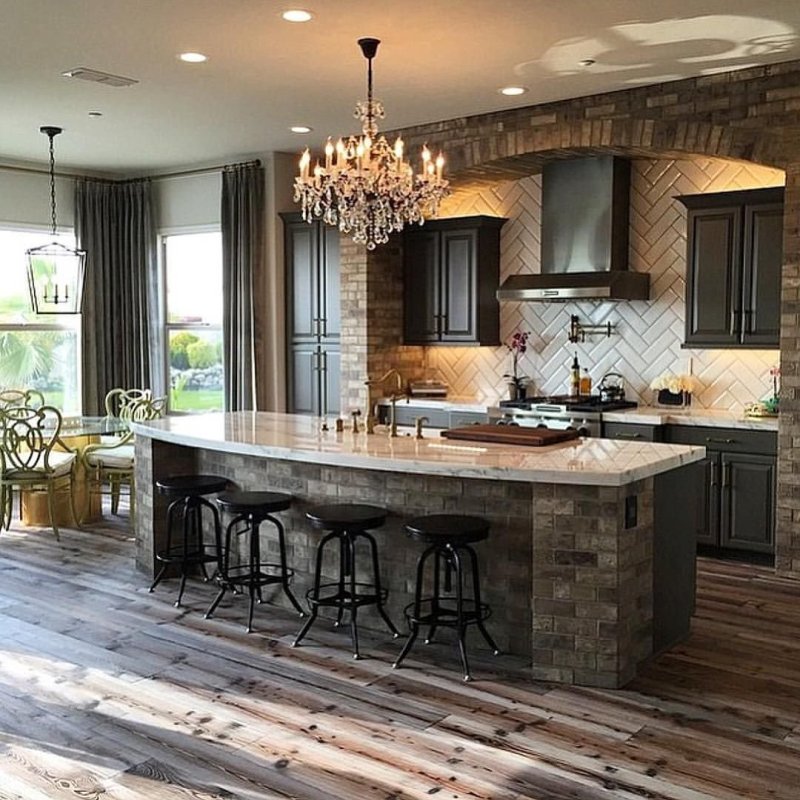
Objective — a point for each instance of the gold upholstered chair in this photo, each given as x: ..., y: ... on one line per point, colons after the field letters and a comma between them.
x: 109, y: 465
x: 30, y: 460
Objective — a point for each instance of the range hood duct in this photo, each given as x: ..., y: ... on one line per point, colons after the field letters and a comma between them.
x: 585, y: 225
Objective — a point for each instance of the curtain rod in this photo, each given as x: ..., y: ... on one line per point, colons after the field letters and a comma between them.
x: 178, y: 174
x: 203, y: 170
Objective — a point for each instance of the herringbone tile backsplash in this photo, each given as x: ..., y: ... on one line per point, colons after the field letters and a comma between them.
x: 648, y: 335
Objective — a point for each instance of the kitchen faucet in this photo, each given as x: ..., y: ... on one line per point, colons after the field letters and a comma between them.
x: 399, y: 391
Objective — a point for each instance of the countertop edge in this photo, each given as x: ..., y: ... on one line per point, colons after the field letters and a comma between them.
x: 681, y: 455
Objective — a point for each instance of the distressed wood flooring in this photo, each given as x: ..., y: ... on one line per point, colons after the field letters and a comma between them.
x: 109, y: 692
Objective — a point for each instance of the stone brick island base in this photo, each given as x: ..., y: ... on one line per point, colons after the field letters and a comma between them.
x: 568, y: 569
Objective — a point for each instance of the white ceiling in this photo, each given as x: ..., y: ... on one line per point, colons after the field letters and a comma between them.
x: 438, y: 59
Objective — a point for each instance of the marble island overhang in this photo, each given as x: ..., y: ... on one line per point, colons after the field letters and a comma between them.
x: 589, y: 568
x: 588, y: 462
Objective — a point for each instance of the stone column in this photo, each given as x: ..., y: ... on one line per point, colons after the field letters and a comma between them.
x: 787, y: 537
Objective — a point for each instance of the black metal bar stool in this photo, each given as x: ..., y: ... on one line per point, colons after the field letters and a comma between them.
x: 449, y: 537
x: 250, y: 509
x: 346, y: 523
x: 186, y: 509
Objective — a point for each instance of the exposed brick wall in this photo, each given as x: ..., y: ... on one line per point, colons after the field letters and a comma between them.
x: 787, y: 552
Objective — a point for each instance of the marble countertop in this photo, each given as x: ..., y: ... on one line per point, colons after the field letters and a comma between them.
x: 594, y: 462
x: 647, y: 415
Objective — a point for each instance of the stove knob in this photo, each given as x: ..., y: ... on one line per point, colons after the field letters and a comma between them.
x: 583, y: 431
x: 515, y: 424
x: 541, y: 425
x: 500, y: 422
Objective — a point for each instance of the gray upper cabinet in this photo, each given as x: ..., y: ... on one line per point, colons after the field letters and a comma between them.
x: 312, y: 316
x: 450, y: 276
x: 733, y: 268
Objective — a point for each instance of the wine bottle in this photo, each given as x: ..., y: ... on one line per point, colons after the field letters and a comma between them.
x: 575, y: 377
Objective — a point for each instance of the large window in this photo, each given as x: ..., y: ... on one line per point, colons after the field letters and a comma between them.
x: 40, y: 352
x: 193, y: 304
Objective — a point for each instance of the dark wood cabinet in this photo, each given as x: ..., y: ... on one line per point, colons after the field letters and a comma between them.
x: 733, y: 268
x: 732, y: 490
x: 312, y: 316
x: 450, y: 276
x: 633, y: 431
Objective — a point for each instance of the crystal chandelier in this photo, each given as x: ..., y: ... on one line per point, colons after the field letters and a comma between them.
x: 55, y: 272
x: 366, y: 187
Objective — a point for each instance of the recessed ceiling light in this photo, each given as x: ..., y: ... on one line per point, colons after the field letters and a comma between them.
x: 512, y: 91
x: 297, y: 15
x: 300, y: 129
x: 586, y: 62
x: 193, y: 58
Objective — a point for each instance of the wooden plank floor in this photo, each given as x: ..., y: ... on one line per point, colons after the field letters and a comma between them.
x: 109, y: 692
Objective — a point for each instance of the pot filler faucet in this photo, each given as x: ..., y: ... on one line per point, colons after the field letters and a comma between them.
x: 399, y: 391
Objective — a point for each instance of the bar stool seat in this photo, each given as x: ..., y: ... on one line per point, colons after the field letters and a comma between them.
x: 449, y: 538
x: 346, y: 524
x: 249, y: 510
x: 188, y: 493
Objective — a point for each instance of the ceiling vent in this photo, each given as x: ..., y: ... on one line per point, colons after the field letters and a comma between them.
x: 95, y: 76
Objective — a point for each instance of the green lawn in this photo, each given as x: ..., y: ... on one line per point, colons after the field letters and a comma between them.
x: 195, y: 400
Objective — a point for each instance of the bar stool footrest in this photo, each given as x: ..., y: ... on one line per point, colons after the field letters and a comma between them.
x: 365, y: 594
x: 446, y: 616
x: 265, y: 573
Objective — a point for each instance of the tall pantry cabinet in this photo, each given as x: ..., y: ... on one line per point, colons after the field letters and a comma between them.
x: 311, y: 253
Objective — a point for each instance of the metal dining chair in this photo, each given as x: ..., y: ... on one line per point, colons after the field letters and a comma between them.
x: 109, y: 465
x: 31, y: 398
x: 30, y: 460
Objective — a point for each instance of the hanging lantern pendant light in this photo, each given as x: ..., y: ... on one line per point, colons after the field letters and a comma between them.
x: 55, y: 272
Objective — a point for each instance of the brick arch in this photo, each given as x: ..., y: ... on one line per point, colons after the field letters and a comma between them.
x: 512, y: 154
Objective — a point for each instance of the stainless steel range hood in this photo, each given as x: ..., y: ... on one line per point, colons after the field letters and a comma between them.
x: 584, y: 236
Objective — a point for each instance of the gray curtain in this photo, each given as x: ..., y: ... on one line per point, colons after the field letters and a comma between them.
x: 114, y: 224
x: 242, y: 255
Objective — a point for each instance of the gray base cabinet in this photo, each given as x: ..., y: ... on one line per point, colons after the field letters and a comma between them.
x: 732, y: 491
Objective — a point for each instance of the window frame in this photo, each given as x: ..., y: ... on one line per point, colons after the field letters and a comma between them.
x: 168, y: 327
x: 70, y: 323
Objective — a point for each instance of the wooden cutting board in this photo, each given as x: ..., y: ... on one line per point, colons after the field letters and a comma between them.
x: 504, y: 434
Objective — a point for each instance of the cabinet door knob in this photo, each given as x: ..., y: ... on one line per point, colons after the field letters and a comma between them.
x: 713, y: 481
x: 629, y: 436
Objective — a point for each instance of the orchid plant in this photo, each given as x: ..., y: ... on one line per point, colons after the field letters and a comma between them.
x: 517, y: 345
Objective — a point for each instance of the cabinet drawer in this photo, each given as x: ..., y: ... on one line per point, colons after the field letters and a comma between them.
x: 731, y: 440
x: 632, y: 431
x: 460, y: 418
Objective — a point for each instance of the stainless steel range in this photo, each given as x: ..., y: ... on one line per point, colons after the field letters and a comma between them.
x: 583, y: 414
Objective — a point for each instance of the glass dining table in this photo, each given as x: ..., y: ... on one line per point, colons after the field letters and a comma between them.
x: 76, y: 432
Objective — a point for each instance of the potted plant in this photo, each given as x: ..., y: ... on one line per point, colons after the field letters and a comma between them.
x: 517, y: 384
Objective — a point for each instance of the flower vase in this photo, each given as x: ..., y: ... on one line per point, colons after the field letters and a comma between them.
x: 667, y: 398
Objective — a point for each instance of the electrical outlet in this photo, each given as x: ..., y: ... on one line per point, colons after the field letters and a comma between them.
x: 631, y: 510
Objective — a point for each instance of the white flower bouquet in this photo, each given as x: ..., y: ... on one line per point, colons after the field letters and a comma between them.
x: 674, y: 390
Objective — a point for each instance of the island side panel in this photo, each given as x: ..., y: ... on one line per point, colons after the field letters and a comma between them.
x: 592, y: 583
x: 504, y: 559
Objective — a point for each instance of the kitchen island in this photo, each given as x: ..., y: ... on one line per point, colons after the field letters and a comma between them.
x: 569, y: 569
